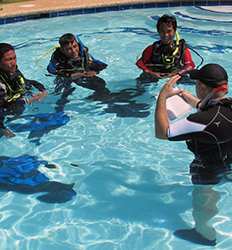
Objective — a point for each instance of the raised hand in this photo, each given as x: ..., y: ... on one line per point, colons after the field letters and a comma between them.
x: 168, y: 88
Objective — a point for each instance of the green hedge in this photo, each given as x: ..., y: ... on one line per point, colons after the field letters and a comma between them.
x: 12, y: 1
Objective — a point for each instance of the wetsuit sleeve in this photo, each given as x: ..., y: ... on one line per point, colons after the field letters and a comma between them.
x: 92, y: 63
x: 193, y: 126
x: 184, y: 129
x: 2, y: 126
x: 145, y: 59
x: 2, y: 101
x: 36, y: 84
x: 3, y: 93
x: 52, y: 66
x: 187, y: 61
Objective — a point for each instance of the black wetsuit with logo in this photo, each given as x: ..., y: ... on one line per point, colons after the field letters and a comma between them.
x: 208, y: 134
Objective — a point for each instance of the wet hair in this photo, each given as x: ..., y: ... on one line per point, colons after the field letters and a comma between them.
x: 66, y: 39
x: 168, y: 20
x: 5, y: 47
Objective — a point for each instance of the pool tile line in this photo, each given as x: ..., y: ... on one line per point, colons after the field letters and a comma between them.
x: 80, y: 11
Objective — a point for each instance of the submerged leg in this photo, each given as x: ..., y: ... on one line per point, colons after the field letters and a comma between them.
x: 204, y: 209
x: 204, y: 202
x: 16, y: 109
x: 94, y: 83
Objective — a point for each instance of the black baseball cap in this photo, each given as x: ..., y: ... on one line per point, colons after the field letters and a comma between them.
x: 210, y: 74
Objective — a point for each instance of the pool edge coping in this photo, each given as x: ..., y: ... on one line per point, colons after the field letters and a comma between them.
x: 40, y: 14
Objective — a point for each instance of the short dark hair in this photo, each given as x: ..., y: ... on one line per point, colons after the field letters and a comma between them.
x: 66, y: 38
x: 5, y: 47
x: 168, y: 19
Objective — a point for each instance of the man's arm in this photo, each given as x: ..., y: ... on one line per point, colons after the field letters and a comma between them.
x: 88, y: 70
x: 190, y: 99
x: 161, y: 118
x: 145, y: 60
x: 3, y: 93
x: 52, y: 66
x: 37, y: 96
x: 161, y: 115
x: 55, y: 68
x: 187, y: 61
x: 4, y: 131
x: 36, y: 84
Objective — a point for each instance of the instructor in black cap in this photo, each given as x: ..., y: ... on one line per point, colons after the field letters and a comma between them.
x: 208, y: 132
x: 208, y: 135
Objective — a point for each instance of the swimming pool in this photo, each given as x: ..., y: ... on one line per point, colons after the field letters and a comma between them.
x: 131, y: 191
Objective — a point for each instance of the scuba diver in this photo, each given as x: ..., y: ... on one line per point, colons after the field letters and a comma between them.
x: 72, y: 59
x: 71, y: 62
x: 15, y: 89
x: 168, y: 56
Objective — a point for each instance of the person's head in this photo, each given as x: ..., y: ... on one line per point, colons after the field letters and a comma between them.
x: 8, y: 61
x: 211, y: 78
x: 166, y: 27
x: 69, y: 45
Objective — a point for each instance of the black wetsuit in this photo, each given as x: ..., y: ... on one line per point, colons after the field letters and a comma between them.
x: 11, y: 85
x: 208, y: 134
x: 61, y: 65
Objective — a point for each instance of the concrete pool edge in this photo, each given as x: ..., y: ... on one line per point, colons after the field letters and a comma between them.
x: 112, y: 5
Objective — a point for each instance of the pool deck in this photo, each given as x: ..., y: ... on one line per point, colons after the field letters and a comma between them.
x: 44, y: 6
x: 38, y: 6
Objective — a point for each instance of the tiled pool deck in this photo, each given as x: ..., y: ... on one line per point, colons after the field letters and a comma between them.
x: 32, y: 9
x: 38, y: 6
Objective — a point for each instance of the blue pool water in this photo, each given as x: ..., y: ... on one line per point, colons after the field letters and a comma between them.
x: 127, y: 190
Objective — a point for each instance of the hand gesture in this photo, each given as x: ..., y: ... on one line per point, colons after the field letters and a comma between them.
x: 168, y: 89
